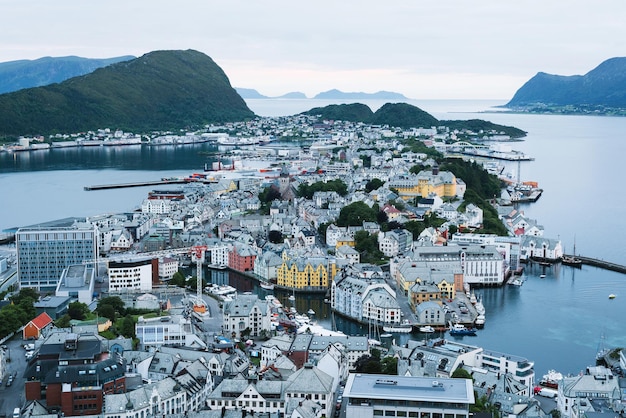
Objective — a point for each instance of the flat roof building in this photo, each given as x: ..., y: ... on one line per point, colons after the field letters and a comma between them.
x: 44, y: 251
x: 375, y: 395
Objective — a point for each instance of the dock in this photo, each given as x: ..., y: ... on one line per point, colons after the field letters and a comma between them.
x: 607, y: 265
x: 136, y: 184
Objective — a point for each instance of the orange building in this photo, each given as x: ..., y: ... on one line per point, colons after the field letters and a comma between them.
x: 34, y: 327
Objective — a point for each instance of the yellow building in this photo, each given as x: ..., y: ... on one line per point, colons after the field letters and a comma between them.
x: 345, y: 240
x: 446, y: 279
x: 410, y: 186
x: 304, y: 273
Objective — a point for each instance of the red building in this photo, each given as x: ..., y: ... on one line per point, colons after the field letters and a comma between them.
x: 33, y: 328
x: 73, y: 374
x: 241, y: 257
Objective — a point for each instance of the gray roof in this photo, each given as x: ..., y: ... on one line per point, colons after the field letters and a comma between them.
x: 391, y: 387
x: 309, y: 379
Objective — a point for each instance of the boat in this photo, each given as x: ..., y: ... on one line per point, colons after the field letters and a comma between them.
x: 480, y: 308
x: 405, y: 327
x: 427, y: 329
x: 516, y: 282
x: 460, y: 330
x: 267, y: 285
x: 572, y: 261
x: 291, y: 297
x: 542, y: 276
x: 551, y: 379
x: 612, y: 296
x: 473, y: 299
x: 480, y: 321
x: 311, y: 312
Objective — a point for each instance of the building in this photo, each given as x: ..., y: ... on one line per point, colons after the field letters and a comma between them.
x: 33, y: 329
x: 241, y: 257
x: 578, y: 394
x: 393, y: 243
x: 481, y: 264
x: 77, y: 282
x: 74, y: 373
x: 54, y: 306
x: 43, y: 252
x: 247, y: 313
x: 167, y: 268
x: 132, y: 275
x: 172, y: 330
x: 369, y: 396
x: 422, y: 184
x: 366, y: 300
x: 307, y: 273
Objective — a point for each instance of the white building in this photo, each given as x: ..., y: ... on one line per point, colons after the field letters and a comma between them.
x: 247, y: 312
x: 167, y: 330
x: 369, y: 396
x: 131, y: 275
x: 365, y: 300
x: 78, y: 282
x: 393, y: 243
x: 157, y: 206
x: 167, y: 268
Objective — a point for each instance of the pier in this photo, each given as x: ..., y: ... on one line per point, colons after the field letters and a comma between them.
x: 137, y: 184
x: 607, y: 265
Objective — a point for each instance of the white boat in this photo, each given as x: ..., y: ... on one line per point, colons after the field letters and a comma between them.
x: 267, y: 285
x: 473, y: 299
x: 427, y: 329
x: 311, y: 312
x: 404, y: 327
x: 542, y: 276
x: 480, y: 321
x: 480, y: 308
x: 612, y: 296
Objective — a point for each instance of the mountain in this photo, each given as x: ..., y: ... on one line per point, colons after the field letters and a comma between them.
x: 249, y: 93
x: 353, y: 112
x: 292, y: 95
x: 253, y: 94
x: 335, y: 94
x: 17, y: 75
x: 605, y: 85
x: 394, y: 114
x: 161, y: 90
x: 404, y: 115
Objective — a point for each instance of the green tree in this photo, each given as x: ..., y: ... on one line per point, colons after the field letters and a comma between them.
x: 355, y: 214
x: 178, y: 279
x: 373, y: 184
x: 322, y: 230
x: 115, y: 302
x: 78, y: 310
x: 275, y: 236
x: 461, y: 373
x: 106, y: 311
x: 367, y: 246
x: 128, y: 327
x: 389, y: 365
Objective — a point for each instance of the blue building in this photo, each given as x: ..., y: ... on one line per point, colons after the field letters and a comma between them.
x: 44, y: 251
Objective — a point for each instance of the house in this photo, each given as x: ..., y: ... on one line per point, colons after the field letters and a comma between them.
x: 247, y: 313
x: 34, y: 329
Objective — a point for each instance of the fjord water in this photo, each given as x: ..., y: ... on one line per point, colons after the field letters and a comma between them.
x: 557, y: 322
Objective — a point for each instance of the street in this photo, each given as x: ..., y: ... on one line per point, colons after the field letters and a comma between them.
x: 13, y: 396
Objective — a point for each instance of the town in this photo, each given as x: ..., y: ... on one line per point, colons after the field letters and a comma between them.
x: 395, y: 227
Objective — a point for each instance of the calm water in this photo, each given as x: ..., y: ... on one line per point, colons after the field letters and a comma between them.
x: 557, y: 322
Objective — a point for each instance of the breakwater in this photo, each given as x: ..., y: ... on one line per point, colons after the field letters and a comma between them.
x: 136, y: 184
x: 607, y: 265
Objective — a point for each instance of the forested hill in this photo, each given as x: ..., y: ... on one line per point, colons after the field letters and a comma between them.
x: 157, y: 91
x: 403, y: 115
x: 23, y: 74
x: 605, y: 85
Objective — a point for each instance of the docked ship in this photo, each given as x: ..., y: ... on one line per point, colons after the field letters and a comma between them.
x: 404, y: 327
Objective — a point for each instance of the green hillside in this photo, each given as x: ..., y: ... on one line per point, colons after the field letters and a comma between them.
x: 158, y: 91
x: 353, y: 112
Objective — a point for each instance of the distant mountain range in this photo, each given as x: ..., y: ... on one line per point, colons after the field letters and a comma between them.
x: 404, y: 115
x: 605, y: 85
x: 17, y: 75
x: 160, y: 90
x: 327, y: 95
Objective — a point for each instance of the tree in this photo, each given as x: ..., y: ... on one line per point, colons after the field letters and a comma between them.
x: 373, y: 184
x: 461, y: 373
x: 107, y: 311
x: 178, y: 279
x: 115, y: 302
x: 275, y: 236
x: 128, y: 327
x: 78, y: 310
x: 355, y: 214
x: 389, y: 365
x: 367, y: 246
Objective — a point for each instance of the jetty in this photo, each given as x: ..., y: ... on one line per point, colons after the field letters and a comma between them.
x: 136, y: 184
x: 607, y: 265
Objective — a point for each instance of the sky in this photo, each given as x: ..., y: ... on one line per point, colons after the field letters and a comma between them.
x: 456, y: 49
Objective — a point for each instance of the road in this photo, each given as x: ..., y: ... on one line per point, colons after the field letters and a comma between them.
x: 12, y: 396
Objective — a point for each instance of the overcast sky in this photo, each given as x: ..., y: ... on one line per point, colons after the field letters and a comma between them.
x: 458, y: 49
